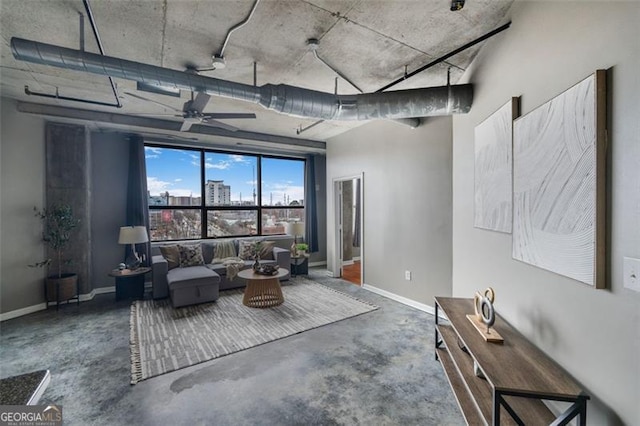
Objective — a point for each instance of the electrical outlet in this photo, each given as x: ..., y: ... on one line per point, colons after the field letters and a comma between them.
x: 631, y: 271
x: 407, y: 275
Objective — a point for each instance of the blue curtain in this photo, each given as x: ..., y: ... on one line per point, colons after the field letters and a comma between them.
x: 137, y: 201
x: 310, y: 209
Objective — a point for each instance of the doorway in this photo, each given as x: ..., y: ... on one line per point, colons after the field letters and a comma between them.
x: 349, y: 226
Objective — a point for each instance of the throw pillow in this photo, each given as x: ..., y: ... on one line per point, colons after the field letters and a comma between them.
x: 190, y: 256
x: 225, y: 249
x: 208, y: 250
x: 266, y: 250
x: 246, y: 249
x: 172, y: 255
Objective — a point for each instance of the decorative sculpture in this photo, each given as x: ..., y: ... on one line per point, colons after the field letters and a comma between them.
x: 485, y: 315
x: 483, y: 305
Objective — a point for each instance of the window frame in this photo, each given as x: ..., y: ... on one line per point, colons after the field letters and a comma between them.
x: 204, y: 209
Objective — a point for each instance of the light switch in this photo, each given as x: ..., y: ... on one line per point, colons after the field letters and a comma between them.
x: 631, y: 271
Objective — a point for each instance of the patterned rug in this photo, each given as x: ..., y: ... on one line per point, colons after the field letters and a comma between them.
x: 164, y: 339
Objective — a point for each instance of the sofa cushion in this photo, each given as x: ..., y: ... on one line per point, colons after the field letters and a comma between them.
x: 208, y: 250
x: 218, y: 268
x: 171, y: 254
x: 193, y: 276
x: 190, y: 255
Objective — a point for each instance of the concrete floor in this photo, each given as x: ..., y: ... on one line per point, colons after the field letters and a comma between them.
x: 374, y: 369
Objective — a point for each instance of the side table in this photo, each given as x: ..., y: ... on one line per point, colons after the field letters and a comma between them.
x: 300, y: 265
x: 129, y: 282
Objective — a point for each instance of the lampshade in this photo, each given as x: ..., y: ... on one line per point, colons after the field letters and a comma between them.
x: 133, y: 235
x: 295, y: 228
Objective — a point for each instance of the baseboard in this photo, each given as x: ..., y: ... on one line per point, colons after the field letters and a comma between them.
x: 22, y: 311
x: 405, y: 301
x: 42, y: 306
x: 104, y: 290
x: 313, y: 264
x: 347, y: 262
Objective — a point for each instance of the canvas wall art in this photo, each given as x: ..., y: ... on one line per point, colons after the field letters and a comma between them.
x: 492, y: 169
x: 559, y: 183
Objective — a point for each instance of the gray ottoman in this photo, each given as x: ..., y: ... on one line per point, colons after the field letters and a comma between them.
x: 191, y: 285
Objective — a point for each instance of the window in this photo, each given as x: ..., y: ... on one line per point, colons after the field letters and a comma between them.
x: 197, y: 193
x: 174, y: 193
x: 283, y: 191
x: 230, y: 179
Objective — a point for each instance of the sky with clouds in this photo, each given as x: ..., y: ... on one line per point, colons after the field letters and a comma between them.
x: 178, y: 172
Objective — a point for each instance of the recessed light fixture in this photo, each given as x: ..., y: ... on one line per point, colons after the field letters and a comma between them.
x: 313, y: 44
x: 457, y: 5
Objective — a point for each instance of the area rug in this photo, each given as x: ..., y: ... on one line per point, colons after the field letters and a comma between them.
x: 165, y: 339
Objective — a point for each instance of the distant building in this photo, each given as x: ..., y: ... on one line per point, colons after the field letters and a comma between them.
x: 155, y: 219
x: 158, y: 200
x: 184, y: 201
x: 217, y: 193
x: 165, y: 199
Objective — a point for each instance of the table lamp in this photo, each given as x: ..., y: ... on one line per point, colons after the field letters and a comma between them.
x: 133, y: 235
x: 295, y: 229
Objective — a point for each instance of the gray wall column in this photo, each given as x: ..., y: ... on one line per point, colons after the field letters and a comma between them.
x: 68, y: 181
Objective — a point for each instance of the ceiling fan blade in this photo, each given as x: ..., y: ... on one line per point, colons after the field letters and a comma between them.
x: 155, y: 114
x: 151, y: 100
x: 215, y: 123
x: 186, y: 125
x: 200, y: 101
x: 228, y: 115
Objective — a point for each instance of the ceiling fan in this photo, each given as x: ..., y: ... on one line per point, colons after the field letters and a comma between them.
x: 191, y: 112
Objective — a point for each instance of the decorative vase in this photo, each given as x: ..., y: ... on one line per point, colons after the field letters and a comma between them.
x: 256, y: 264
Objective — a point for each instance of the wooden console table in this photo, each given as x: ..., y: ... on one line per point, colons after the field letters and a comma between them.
x: 518, y: 374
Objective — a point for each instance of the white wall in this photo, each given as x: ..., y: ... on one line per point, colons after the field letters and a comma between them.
x: 21, y: 189
x: 407, y: 204
x: 594, y: 334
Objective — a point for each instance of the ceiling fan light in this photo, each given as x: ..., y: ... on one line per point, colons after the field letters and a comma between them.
x: 218, y: 62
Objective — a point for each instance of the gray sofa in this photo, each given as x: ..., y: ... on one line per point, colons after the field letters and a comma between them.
x: 197, y: 284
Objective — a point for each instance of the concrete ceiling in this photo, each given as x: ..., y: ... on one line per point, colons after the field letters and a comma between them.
x: 368, y: 41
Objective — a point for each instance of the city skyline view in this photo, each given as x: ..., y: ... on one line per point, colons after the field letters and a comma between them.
x: 177, y: 171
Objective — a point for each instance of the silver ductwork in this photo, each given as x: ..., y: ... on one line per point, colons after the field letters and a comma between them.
x: 282, y: 98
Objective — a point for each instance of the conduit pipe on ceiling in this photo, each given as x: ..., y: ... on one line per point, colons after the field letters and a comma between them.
x: 237, y: 27
x: 290, y: 100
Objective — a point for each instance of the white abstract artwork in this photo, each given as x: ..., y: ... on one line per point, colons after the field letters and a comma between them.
x: 555, y: 168
x: 493, y: 165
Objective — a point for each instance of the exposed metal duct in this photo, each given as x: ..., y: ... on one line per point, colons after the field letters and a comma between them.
x: 282, y: 98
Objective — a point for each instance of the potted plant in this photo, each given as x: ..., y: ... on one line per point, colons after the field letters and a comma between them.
x: 302, y: 248
x: 58, y: 224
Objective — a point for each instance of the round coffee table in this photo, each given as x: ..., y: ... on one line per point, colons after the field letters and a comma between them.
x: 263, y: 291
